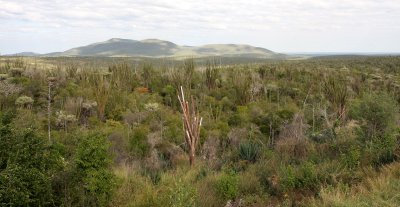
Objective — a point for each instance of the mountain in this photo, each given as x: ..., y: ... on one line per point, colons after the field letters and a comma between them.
x: 26, y: 54
x: 159, y: 48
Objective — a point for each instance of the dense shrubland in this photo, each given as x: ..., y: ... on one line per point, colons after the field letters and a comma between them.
x: 314, y: 132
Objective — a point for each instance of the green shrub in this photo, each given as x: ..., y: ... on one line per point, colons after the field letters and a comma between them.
x: 378, y: 114
x: 173, y: 129
x: 182, y: 195
x: 381, y: 150
x: 288, y: 178
x: 352, y: 158
x: 308, y: 177
x: 299, y: 177
x: 138, y: 145
x: 227, y: 186
x: 93, y: 167
x: 27, y: 167
x: 235, y: 120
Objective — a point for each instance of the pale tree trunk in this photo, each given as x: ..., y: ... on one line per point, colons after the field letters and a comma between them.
x: 191, y: 125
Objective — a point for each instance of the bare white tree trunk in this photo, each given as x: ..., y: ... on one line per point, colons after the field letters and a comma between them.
x: 191, y: 125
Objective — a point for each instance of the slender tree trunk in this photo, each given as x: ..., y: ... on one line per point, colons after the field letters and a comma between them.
x: 191, y: 158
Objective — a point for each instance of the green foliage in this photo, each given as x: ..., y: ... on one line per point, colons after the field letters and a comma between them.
x: 308, y: 176
x: 147, y: 73
x: 335, y: 90
x: 169, y: 95
x: 352, y: 158
x: 93, y: 167
x: 289, y: 180
x: 299, y: 177
x: 211, y: 75
x: 181, y: 195
x: 279, y: 125
x: 381, y: 150
x: 240, y: 83
x: 27, y: 166
x: 227, y: 186
x: 240, y: 117
x: 188, y: 71
x: 138, y: 145
x: 378, y: 114
x: 173, y: 130
x: 123, y: 77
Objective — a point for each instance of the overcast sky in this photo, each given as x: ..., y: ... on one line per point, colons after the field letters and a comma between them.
x: 279, y: 25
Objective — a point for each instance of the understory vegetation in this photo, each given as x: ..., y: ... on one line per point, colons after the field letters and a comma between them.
x: 89, y: 132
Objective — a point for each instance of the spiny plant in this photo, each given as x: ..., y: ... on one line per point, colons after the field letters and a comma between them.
x: 102, y: 91
x: 250, y: 151
x: 123, y: 77
x: 241, y: 83
x: 147, y: 73
x: 211, y: 74
x: 335, y: 91
x: 188, y: 67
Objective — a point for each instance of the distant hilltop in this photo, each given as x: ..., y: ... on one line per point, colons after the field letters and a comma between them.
x: 117, y: 47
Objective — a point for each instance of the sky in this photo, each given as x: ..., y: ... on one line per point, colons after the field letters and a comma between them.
x: 45, y: 26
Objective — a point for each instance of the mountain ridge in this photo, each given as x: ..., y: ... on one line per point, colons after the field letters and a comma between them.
x: 118, y: 47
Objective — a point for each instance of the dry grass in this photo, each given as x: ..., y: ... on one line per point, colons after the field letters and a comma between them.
x: 380, y: 189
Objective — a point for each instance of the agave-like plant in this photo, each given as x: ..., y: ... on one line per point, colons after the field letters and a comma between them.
x: 250, y: 151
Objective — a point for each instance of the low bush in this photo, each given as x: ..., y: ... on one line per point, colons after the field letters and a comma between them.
x: 138, y: 145
x: 227, y: 186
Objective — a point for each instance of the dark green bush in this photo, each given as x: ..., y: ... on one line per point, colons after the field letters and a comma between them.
x: 27, y: 167
x: 93, y: 168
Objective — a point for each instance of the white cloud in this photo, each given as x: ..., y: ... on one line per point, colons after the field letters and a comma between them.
x: 185, y: 21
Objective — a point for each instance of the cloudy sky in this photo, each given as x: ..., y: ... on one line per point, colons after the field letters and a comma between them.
x: 280, y: 25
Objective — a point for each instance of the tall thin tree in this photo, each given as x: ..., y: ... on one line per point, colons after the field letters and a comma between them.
x: 191, y: 124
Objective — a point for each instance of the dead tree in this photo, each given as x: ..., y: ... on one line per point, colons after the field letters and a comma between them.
x: 191, y: 124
